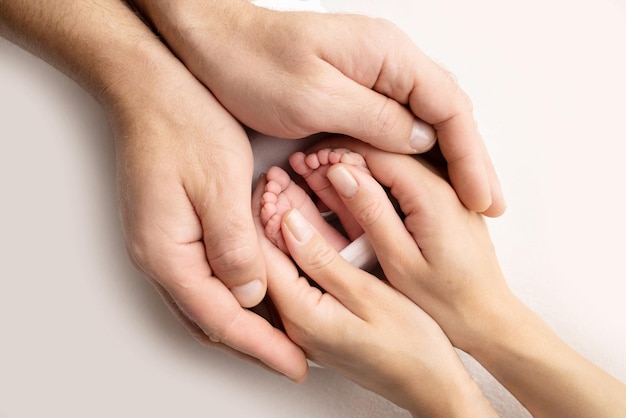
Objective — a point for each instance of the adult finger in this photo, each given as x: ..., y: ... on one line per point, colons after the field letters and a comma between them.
x: 209, y: 304
x: 368, y: 202
x: 165, y: 242
x: 292, y: 294
x: 221, y: 198
x: 196, y: 332
x: 369, y: 116
x: 319, y: 260
x: 397, y: 69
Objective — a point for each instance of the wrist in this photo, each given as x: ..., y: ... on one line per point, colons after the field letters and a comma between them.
x: 95, y: 44
x: 485, y: 319
x: 138, y: 75
x: 208, y: 34
x: 459, y: 396
x: 177, y: 20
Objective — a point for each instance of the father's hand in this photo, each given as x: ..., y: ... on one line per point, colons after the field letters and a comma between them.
x: 292, y: 74
x: 184, y: 169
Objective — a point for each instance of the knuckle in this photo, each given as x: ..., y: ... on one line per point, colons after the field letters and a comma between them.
x: 463, y: 101
x: 221, y: 333
x: 384, y: 25
x: 139, y: 255
x: 319, y: 256
x: 232, y: 256
x: 468, y: 105
x: 369, y: 213
x: 301, y: 118
x: 386, y: 118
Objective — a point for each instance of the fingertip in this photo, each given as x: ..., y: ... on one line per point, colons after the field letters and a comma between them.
x: 498, y: 204
x: 471, y: 184
x: 484, y: 196
x: 249, y: 294
x: 477, y: 203
x: 497, y: 208
x: 300, y: 377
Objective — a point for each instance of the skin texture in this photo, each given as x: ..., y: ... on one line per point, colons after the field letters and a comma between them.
x: 289, y: 71
x: 177, y: 148
x: 359, y: 327
x: 184, y: 163
x: 441, y: 257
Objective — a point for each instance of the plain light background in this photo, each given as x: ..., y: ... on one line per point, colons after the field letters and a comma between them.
x: 83, y: 335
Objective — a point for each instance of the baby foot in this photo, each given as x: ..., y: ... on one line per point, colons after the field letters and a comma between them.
x: 282, y: 194
x: 313, y: 168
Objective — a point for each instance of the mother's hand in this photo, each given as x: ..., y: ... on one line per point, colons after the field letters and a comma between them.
x: 440, y: 255
x: 364, y: 328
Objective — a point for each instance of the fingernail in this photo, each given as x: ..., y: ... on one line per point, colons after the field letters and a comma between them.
x: 345, y: 184
x: 423, y: 136
x: 298, y: 226
x: 249, y: 294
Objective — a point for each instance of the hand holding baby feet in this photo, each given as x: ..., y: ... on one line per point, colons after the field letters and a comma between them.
x: 313, y: 167
x: 281, y: 194
x: 358, y: 326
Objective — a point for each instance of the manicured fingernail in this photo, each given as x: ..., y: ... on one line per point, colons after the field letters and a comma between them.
x: 345, y: 184
x: 422, y: 136
x: 298, y: 226
x: 249, y: 294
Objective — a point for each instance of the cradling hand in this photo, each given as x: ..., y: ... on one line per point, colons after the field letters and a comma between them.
x: 293, y: 74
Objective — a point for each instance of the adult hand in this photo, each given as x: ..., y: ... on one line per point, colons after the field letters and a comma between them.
x: 292, y: 74
x: 364, y: 328
x: 442, y: 258
x: 440, y: 255
x: 184, y: 169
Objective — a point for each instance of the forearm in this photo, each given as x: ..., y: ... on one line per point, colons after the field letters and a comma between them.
x: 547, y: 376
x: 458, y: 397
x: 173, y: 19
x: 101, y: 44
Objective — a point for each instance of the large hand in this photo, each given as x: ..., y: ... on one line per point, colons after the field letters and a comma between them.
x: 364, y: 328
x: 293, y: 74
x: 185, y: 168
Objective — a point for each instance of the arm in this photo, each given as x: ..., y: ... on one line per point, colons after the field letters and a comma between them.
x: 292, y: 74
x: 172, y: 136
x: 547, y: 375
x: 455, y: 277
x: 77, y: 38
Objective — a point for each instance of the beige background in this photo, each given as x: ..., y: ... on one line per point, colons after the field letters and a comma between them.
x: 83, y: 335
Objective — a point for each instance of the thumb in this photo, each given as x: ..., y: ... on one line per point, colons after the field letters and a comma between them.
x: 229, y: 235
x: 374, y: 118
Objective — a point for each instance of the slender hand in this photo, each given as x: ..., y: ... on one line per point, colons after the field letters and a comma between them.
x: 364, y: 328
x: 441, y: 257
x: 184, y: 169
x: 292, y: 74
